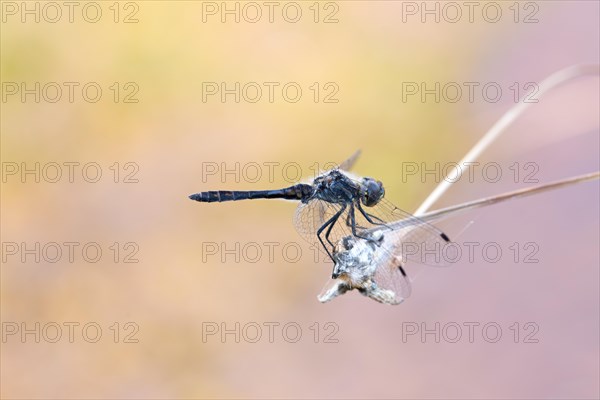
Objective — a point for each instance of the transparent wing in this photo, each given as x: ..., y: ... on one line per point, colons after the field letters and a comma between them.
x: 408, y: 236
x: 347, y: 164
x: 389, y: 276
x: 310, y: 217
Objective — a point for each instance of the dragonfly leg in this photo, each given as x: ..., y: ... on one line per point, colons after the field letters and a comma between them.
x: 349, y: 223
x: 330, y: 222
x: 334, y: 218
x: 353, y: 223
x: 370, y: 217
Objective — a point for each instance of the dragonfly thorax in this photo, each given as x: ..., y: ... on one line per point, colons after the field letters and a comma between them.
x: 337, y: 187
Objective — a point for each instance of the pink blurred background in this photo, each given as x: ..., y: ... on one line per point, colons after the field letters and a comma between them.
x: 176, y: 291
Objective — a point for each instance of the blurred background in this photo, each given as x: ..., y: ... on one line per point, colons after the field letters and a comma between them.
x: 185, y: 300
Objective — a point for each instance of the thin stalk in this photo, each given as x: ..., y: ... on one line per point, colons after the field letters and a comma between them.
x: 500, y: 127
x: 449, y: 211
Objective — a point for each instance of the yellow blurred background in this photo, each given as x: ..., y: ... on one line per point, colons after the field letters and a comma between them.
x: 156, y: 295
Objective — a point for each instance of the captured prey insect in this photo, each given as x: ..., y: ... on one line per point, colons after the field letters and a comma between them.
x: 337, y: 204
x: 373, y: 263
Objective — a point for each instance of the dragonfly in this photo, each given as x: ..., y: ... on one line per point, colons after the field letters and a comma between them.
x: 337, y: 204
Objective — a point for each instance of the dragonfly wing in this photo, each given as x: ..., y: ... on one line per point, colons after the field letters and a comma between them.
x: 311, y: 216
x: 347, y: 164
x: 389, y: 279
x: 409, y: 236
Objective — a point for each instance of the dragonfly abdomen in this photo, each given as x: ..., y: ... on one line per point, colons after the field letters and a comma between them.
x: 296, y: 192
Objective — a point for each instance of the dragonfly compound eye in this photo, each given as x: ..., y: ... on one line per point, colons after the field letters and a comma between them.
x: 371, y: 192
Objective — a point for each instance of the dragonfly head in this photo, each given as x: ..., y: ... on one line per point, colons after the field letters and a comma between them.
x: 371, y: 191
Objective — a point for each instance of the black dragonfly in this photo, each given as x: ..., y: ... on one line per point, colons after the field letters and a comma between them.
x: 338, y: 204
